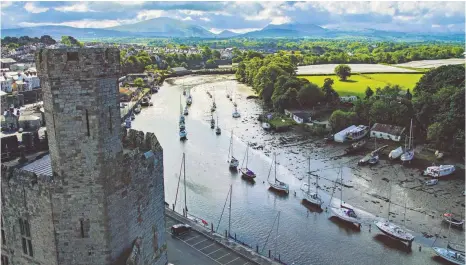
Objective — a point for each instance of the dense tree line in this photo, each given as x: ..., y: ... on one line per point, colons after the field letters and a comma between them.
x: 437, y: 107
x: 14, y: 42
x: 274, y: 79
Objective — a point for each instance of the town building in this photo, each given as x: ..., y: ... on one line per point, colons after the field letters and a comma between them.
x: 96, y: 195
x: 6, y: 62
x: 387, y: 132
x: 299, y: 116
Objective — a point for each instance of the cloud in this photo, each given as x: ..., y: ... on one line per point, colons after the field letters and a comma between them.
x: 81, y: 7
x: 86, y: 23
x: 149, y: 14
x: 383, y: 15
x: 32, y: 8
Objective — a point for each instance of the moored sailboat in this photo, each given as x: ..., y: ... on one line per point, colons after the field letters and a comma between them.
x: 392, y: 230
x: 408, y: 155
x: 245, y: 171
x: 233, y: 162
x: 448, y: 253
x: 212, y: 122
x: 277, y: 184
x: 310, y: 197
x: 345, y: 213
x: 218, y: 131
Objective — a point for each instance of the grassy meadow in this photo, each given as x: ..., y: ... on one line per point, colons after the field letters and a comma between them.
x: 357, y: 84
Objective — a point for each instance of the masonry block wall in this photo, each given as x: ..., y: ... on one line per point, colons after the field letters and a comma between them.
x: 104, y: 203
x: 136, y: 202
x: 26, y: 196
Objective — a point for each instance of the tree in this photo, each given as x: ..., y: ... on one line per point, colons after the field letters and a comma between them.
x: 330, y: 94
x: 342, y: 119
x: 343, y: 71
x: 216, y: 54
x: 47, y: 40
x: 370, y: 92
x: 310, y: 95
x: 139, y: 82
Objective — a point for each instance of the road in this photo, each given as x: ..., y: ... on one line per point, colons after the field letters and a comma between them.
x: 180, y: 253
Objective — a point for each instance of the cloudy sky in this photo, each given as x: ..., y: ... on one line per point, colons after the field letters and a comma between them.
x: 242, y: 16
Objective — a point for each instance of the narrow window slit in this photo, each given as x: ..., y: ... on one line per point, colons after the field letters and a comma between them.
x: 82, y: 228
x: 110, y: 125
x: 87, y: 124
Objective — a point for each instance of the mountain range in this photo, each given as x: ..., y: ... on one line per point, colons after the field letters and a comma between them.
x: 173, y: 28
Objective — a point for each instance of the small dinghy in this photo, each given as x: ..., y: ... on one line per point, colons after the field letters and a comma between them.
x: 189, y: 100
x: 133, y: 117
x: 439, y: 171
x: 355, y: 146
x: 374, y: 159
x: 186, y: 112
x: 396, y: 153
x: 431, y: 182
x: 265, y: 126
x: 453, y: 220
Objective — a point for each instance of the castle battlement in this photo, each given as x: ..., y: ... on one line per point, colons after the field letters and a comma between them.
x: 77, y: 63
x: 132, y: 139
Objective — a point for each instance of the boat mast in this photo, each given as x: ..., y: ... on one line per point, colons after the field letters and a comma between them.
x: 410, y: 134
x: 247, y: 155
x: 230, y: 150
x: 229, y: 214
x: 276, y: 237
x: 317, y: 185
x: 341, y: 187
x: 184, y: 173
x: 275, y: 164
x: 404, y: 217
x: 308, y: 184
x: 389, y: 202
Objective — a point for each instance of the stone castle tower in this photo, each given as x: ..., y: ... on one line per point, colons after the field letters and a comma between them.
x: 105, y: 197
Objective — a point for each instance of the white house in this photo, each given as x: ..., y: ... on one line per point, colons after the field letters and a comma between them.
x: 302, y: 117
x: 387, y: 132
x: 32, y: 81
x: 348, y: 98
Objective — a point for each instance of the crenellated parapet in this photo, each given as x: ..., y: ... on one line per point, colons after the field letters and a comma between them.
x: 132, y: 139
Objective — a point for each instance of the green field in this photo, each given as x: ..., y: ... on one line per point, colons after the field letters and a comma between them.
x: 357, y: 84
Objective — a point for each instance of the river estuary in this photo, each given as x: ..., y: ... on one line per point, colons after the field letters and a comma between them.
x: 304, y: 237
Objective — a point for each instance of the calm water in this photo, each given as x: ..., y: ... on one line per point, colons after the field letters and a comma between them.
x: 305, y: 237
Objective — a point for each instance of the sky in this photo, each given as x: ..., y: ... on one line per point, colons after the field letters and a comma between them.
x: 240, y: 17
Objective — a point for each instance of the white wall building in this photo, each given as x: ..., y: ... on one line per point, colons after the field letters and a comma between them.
x: 387, y: 132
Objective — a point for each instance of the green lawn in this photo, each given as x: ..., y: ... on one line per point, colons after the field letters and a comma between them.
x: 357, y: 84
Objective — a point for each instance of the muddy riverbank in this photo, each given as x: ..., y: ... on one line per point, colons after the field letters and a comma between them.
x: 306, y: 237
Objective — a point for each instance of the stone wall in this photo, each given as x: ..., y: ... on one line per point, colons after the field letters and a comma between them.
x: 82, y: 114
x: 28, y: 196
x: 136, y: 203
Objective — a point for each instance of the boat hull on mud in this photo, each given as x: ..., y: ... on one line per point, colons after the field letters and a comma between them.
x: 247, y: 174
x: 394, y: 231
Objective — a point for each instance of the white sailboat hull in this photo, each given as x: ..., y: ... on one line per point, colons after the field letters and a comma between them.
x: 394, y: 231
x: 396, y: 153
x: 450, y: 255
x: 407, y: 156
x: 313, y: 198
x: 342, y: 213
x: 234, y: 163
x: 279, y: 186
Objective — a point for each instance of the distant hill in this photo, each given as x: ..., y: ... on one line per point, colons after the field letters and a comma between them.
x: 165, y: 27
x: 57, y: 31
x: 226, y: 34
x: 173, y: 28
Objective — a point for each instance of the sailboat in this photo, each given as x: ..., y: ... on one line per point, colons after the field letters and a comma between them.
x: 183, y: 166
x: 310, y: 197
x: 182, y: 125
x: 235, y: 113
x: 391, y: 229
x: 343, y: 212
x: 396, y: 153
x: 189, y: 100
x: 233, y: 162
x: 186, y: 112
x: 218, y: 131
x: 277, y: 184
x: 408, y: 155
x: 245, y: 171
x: 212, y: 122
x: 448, y: 253
x: 228, y: 92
